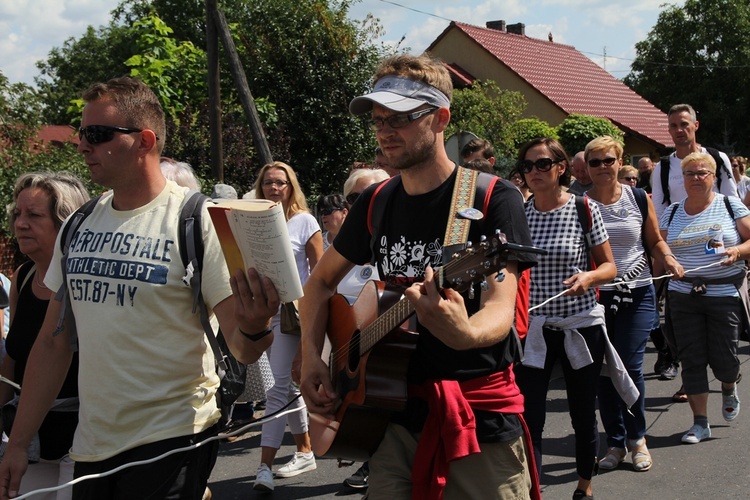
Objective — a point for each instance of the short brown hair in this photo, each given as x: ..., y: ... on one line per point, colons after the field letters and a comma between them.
x: 136, y: 102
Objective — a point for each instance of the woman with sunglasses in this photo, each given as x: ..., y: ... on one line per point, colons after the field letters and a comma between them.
x: 571, y: 327
x: 628, y: 174
x: 41, y: 202
x: 706, y: 309
x: 630, y: 302
x: 278, y: 182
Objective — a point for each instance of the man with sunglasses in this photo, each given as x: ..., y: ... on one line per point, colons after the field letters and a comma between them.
x: 147, y: 380
x: 459, y: 354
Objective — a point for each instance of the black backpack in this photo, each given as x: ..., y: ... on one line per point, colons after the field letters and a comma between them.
x: 231, y: 372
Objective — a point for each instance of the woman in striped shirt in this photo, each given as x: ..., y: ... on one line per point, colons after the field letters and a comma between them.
x: 630, y: 307
x: 706, y: 310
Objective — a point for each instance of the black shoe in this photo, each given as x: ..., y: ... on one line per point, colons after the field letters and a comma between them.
x: 669, y: 373
x: 359, y: 479
x: 581, y: 495
x: 661, y: 362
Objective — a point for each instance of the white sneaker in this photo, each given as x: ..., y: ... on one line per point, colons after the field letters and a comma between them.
x: 297, y: 465
x: 263, y: 479
x: 696, y: 434
x: 730, y: 405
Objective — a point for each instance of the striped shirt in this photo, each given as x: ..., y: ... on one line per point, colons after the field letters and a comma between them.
x: 689, y: 235
x: 560, y: 233
x: 624, y: 221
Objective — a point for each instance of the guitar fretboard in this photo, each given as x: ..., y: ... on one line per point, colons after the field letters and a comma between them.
x: 384, y: 324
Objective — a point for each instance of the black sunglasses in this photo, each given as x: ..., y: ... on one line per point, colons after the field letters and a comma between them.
x: 98, y: 134
x: 329, y: 210
x: 352, y: 197
x: 608, y: 162
x: 542, y: 165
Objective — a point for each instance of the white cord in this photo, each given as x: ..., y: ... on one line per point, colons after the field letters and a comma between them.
x: 642, y: 280
x: 10, y: 382
x: 221, y: 435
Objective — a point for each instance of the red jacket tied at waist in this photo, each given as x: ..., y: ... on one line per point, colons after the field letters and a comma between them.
x: 449, y: 432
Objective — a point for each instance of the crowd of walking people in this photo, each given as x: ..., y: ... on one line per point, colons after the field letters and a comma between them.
x: 105, y: 289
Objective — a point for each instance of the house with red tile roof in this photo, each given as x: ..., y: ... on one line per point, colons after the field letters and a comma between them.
x: 555, y: 79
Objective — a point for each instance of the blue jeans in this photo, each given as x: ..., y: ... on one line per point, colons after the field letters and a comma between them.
x: 581, y: 386
x: 628, y: 331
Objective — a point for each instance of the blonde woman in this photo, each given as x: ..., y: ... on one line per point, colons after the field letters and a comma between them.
x: 278, y: 182
x: 629, y: 309
x: 705, y: 308
x: 628, y: 174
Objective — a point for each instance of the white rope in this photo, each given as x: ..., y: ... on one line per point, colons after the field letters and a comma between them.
x: 221, y: 435
x: 630, y: 283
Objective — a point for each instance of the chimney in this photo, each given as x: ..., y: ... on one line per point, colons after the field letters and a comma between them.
x: 496, y: 25
x: 518, y: 29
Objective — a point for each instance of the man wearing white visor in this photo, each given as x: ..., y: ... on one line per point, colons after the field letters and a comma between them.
x: 461, y: 434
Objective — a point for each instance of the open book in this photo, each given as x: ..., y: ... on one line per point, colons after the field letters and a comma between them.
x: 253, y: 233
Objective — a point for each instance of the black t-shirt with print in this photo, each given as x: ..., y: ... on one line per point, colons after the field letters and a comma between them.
x: 411, y: 238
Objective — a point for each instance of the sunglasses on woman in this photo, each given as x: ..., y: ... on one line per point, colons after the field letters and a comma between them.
x: 329, y: 210
x: 542, y: 165
x: 98, y: 134
x: 607, y: 162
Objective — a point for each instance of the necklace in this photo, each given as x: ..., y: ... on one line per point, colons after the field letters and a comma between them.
x: 38, y: 283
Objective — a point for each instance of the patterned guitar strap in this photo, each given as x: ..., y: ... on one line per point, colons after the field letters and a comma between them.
x: 462, y: 212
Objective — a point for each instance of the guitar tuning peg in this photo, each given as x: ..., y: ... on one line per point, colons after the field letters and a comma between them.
x: 485, y: 286
x: 471, y: 293
x: 483, y: 238
x: 469, y: 244
x: 500, y: 277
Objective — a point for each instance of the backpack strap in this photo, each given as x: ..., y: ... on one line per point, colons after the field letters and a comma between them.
x: 641, y: 199
x: 376, y: 210
x: 66, y: 238
x: 671, y: 214
x: 720, y: 166
x: 191, y: 251
x: 729, y: 206
x: 586, y: 221
x: 664, y: 176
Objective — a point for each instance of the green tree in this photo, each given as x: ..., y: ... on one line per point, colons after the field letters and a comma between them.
x: 577, y: 130
x: 699, y: 53
x: 304, y: 61
x: 527, y: 129
x: 488, y: 112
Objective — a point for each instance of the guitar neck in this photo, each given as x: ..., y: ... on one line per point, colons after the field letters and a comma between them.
x: 384, y: 324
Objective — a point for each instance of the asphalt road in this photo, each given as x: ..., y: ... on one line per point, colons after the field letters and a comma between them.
x: 713, y: 469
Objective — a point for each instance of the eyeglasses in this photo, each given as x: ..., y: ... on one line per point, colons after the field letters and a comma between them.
x: 278, y: 184
x: 631, y: 179
x: 329, y: 210
x: 697, y: 175
x: 399, y: 121
x: 542, y: 165
x: 352, y: 197
x: 608, y: 162
x: 98, y: 134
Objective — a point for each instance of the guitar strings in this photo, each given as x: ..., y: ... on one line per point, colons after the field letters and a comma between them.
x: 355, y: 342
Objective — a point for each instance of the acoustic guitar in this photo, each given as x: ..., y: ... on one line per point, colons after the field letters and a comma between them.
x: 370, y: 352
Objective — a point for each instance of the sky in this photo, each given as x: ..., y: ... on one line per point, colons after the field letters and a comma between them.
x: 29, y: 29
